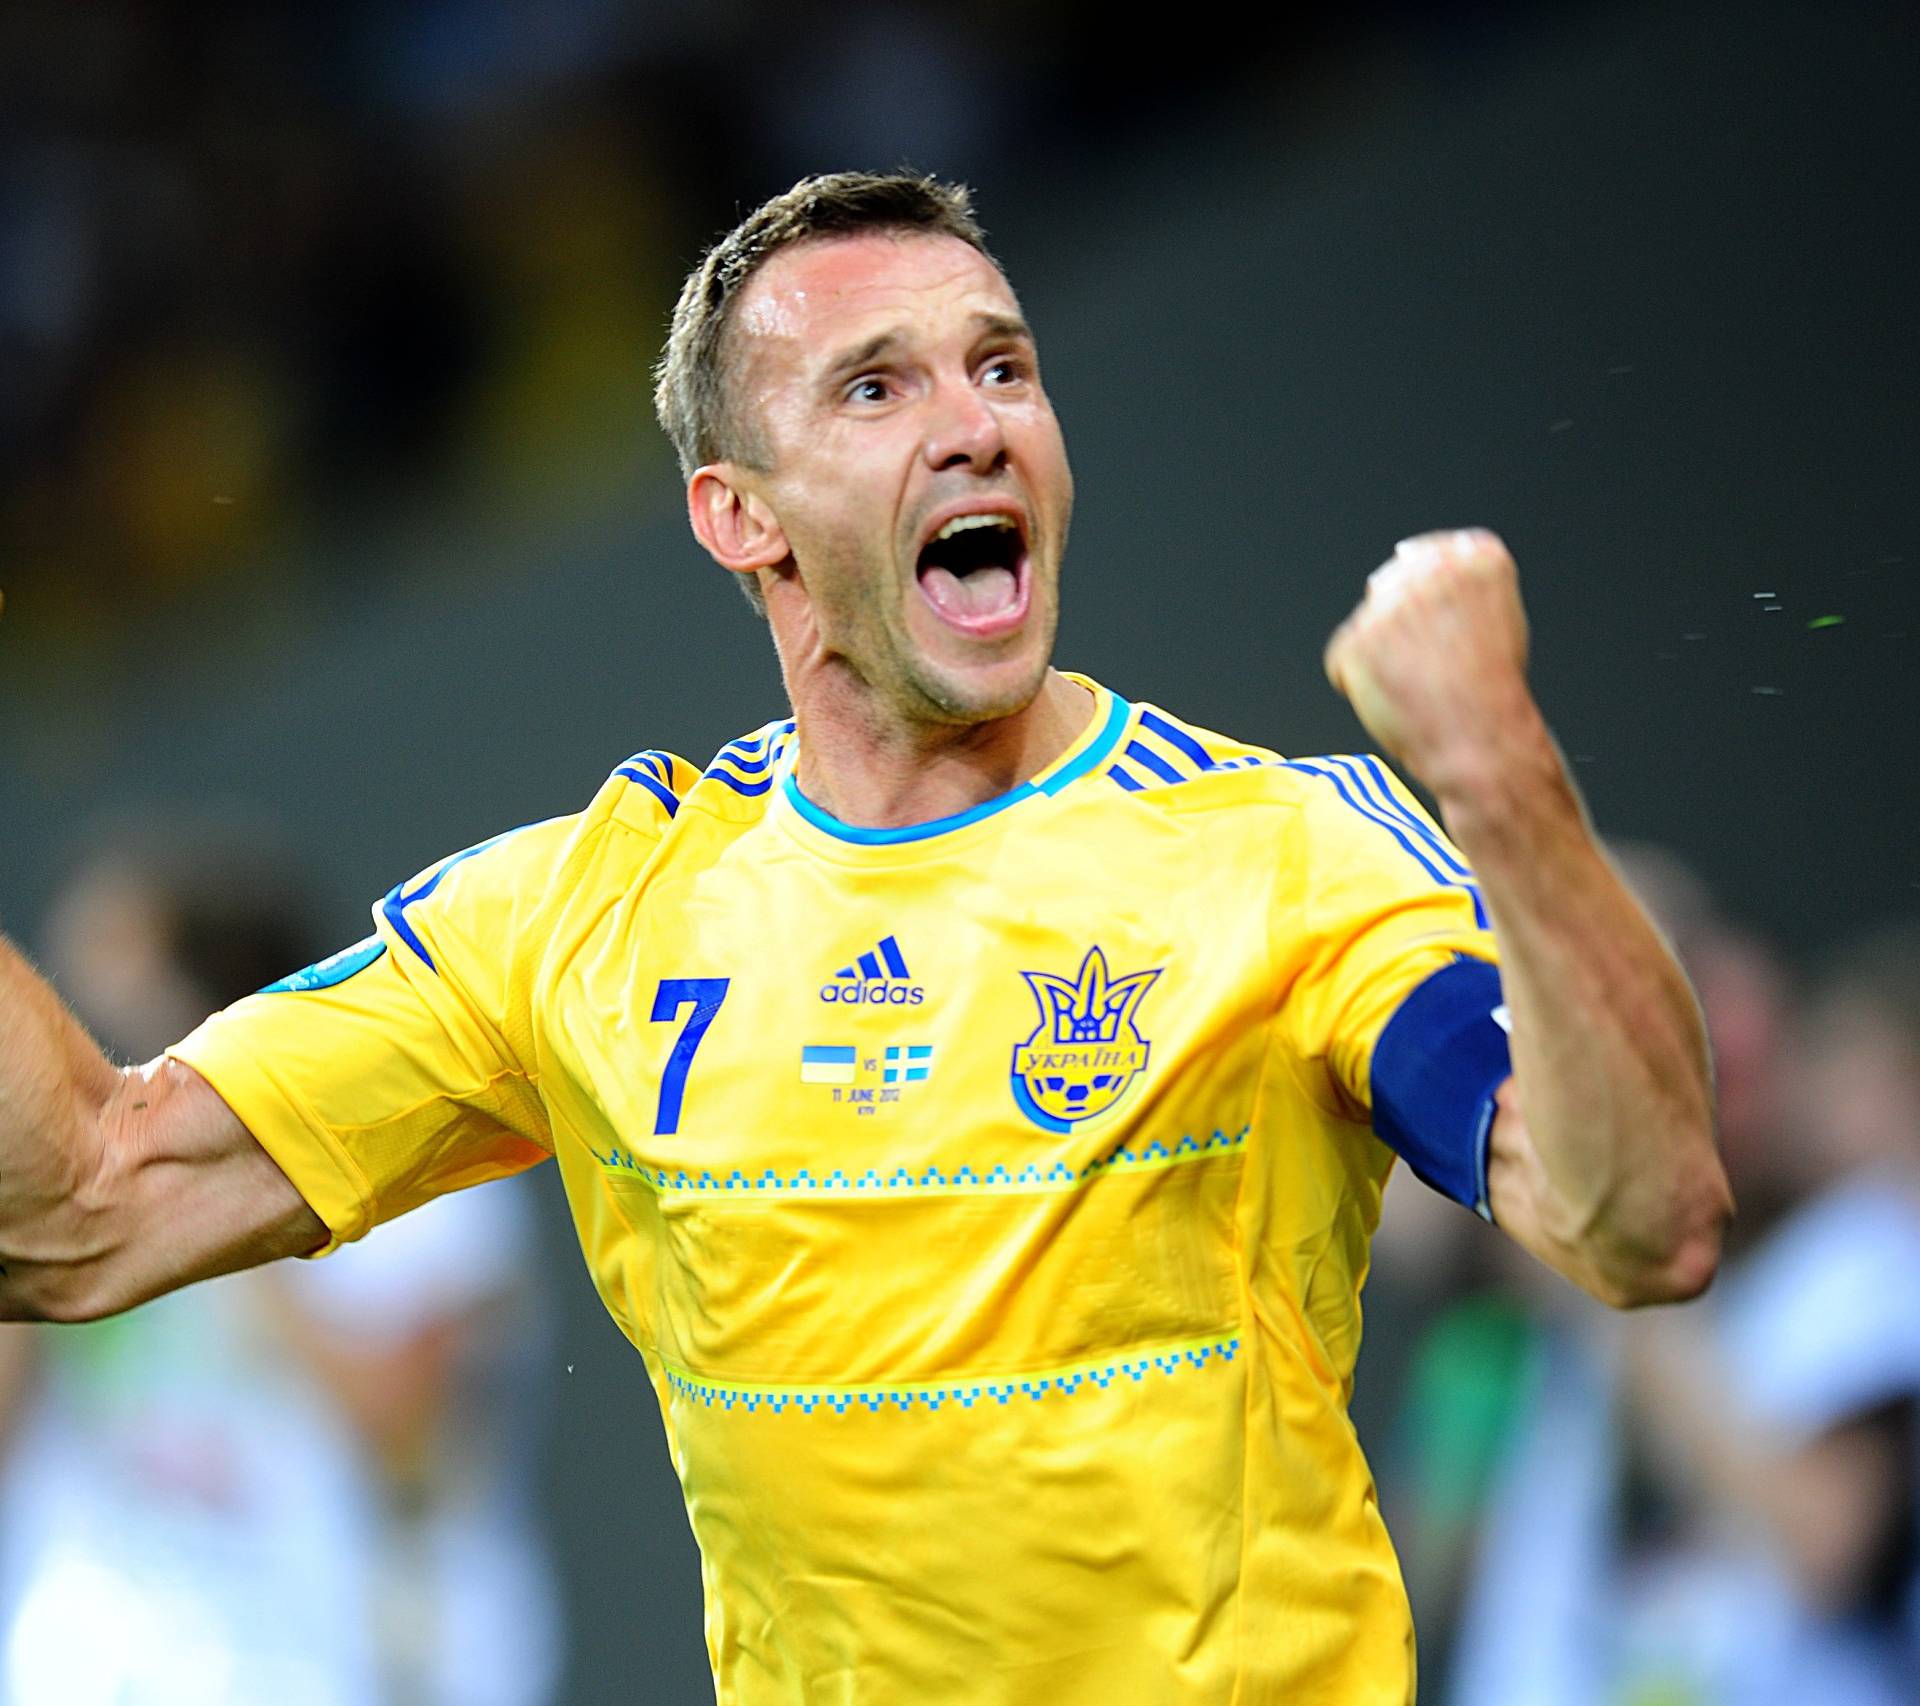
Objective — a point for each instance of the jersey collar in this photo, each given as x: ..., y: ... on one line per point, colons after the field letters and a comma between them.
x: 1090, y: 749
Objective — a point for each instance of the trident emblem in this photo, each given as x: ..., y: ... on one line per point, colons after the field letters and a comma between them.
x: 1087, y: 1047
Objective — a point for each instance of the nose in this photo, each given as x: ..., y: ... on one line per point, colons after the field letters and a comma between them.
x: 964, y: 430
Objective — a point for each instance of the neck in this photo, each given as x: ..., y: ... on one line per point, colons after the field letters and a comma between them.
x: 878, y: 774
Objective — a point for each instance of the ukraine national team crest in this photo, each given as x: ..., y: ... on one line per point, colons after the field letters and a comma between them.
x: 1086, y: 1049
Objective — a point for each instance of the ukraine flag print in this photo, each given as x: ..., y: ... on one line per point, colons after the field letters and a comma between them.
x: 828, y: 1063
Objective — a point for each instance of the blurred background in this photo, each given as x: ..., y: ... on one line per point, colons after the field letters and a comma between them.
x: 336, y: 534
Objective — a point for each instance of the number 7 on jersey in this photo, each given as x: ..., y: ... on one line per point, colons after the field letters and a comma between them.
x: 704, y: 995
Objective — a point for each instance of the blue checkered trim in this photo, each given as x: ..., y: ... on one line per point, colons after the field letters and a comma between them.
x: 902, y: 1181
x: 960, y: 1394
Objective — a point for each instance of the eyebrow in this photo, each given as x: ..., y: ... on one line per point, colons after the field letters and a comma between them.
x: 1004, y: 326
x: 859, y: 356
x: 851, y: 360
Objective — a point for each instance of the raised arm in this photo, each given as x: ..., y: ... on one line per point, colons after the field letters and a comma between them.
x: 1602, y: 1159
x: 118, y: 1185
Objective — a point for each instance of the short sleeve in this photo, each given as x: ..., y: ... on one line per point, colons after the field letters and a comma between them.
x: 403, y: 1066
x: 1393, y: 1006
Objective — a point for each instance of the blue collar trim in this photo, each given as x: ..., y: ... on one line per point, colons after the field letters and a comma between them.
x: 1095, y: 753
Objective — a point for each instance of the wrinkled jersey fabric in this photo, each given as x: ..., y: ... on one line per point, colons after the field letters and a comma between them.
x: 989, y: 1198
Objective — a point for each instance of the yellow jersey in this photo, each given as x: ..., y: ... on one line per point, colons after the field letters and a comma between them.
x: 989, y: 1198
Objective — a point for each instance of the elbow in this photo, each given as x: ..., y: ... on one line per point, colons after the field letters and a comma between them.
x: 1679, y: 1264
x: 81, y: 1300
x: 67, y: 1264
x: 1680, y: 1278
x: 59, y: 1293
x: 24, y: 1300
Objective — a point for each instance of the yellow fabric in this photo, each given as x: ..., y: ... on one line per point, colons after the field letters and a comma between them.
x: 977, y: 1391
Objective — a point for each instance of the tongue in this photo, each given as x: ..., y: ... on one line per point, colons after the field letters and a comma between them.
x: 979, y: 593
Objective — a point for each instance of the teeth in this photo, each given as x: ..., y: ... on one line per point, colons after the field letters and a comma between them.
x: 965, y: 523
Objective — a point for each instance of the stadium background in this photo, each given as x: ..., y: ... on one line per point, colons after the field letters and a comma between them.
x: 330, y: 495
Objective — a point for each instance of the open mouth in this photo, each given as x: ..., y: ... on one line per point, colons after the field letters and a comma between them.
x: 973, y: 571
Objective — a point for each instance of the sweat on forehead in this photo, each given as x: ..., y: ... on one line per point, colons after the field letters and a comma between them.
x: 813, y: 287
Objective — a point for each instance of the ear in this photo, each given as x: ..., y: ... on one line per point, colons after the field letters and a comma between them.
x: 733, y: 522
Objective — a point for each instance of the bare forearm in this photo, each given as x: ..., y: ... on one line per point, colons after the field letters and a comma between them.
x: 1602, y: 1161
x: 116, y: 1186
x: 1611, y: 1070
x: 54, y: 1081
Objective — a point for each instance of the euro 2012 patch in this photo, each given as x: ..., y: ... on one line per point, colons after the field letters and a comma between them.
x: 335, y: 968
x: 1087, y: 1049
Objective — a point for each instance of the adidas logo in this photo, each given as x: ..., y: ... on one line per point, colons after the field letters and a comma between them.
x: 878, y: 978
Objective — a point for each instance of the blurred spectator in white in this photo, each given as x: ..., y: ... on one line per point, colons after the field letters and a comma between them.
x: 302, y: 1486
x: 1791, y: 1409
x: 1526, y: 1498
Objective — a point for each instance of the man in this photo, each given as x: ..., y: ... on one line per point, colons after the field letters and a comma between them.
x: 962, y: 1088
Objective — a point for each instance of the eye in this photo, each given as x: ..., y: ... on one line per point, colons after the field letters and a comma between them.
x: 868, y: 388
x: 1004, y: 370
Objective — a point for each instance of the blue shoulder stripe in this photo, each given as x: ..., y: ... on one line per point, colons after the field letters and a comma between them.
x: 1371, y: 778
x: 1343, y: 786
x: 1167, y: 754
x: 1414, y: 836
x: 749, y: 751
x: 1149, y: 760
x: 716, y: 774
x: 394, y: 907
x: 1177, y: 737
x: 746, y: 765
x: 653, y: 785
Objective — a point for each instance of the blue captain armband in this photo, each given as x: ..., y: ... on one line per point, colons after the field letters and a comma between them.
x: 1436, y: 1070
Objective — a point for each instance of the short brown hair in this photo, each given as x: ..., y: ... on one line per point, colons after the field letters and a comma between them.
x: 691, y: 391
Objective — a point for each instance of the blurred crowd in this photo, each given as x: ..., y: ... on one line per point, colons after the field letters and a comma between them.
x: 1711, y: 1506
x: 267, y: 269
x: 308, y: 1485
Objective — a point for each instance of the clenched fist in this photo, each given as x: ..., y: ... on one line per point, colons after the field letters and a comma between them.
x: 1434, y: 659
